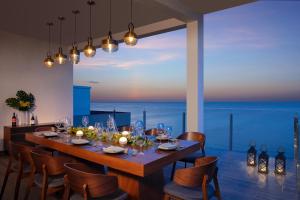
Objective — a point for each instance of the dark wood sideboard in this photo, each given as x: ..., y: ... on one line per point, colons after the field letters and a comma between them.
x: 17, y: 133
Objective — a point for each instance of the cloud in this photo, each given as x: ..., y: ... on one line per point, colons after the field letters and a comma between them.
x: 97, y: 63
x: 239, y: 37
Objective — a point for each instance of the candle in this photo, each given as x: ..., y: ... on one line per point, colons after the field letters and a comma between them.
x: 79, y: 133
x: 91, y: 128
x: 123, y: 140
x: 125, y: 133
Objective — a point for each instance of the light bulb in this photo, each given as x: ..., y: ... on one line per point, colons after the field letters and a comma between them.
x: 74, y: 55
x: 89, y: 49
x: 130, y: 38
x: 49, y: 62
x: 60, y: 57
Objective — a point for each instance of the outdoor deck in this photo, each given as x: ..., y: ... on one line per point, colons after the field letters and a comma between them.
x: 237, y: 181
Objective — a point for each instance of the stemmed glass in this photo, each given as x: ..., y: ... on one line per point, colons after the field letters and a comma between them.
x: 161, y: 128
x: 85, y: 121
x: 169, y: 130
x: 139, y: 127
x: 140, y: 142
x: 58, y: 125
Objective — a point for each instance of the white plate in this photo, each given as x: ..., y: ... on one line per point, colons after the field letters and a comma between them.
x: 162, y: 137
x: 49, y: 134
x: 79, y: 141
x: 113, y: 149
x: 167, y: 146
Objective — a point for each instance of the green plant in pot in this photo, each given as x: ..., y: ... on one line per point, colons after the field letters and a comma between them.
x: 23, y: 102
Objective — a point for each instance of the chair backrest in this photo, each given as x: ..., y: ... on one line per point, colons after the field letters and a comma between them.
x: 97, y: 184
x: 54, y: 164
x: 194, y: 136
x: 153, y: 131
x: 193, y: 176
x: 44, y: 128
x: 20, y: 151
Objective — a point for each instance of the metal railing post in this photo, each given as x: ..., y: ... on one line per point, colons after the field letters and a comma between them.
x: 183, y: 122
x: 230, y: 131
x: 144, y: 119
x: 114, y: 114
x: 296, y: 138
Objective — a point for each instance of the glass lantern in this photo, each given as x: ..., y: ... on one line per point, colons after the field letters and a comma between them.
x: 263, y: 161
x: 251, y: 156
x: 280, y: 162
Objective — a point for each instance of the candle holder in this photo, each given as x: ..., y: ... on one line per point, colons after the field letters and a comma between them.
x: 251, y: 155
x: 280, y: 162
x: 263, y: 161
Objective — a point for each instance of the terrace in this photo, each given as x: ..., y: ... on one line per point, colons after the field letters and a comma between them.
x: 24, y: 42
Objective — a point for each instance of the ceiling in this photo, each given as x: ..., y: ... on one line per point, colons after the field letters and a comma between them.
x: 29, y: 17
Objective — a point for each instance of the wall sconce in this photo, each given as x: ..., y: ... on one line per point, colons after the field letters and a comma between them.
x: 263, y: 161
x: 280, y: 162
x: 251, y: 155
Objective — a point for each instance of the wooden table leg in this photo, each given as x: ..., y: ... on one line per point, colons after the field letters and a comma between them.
x: 149, y: 187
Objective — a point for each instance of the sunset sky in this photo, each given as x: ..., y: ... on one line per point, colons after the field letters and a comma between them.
x: 251, y: 52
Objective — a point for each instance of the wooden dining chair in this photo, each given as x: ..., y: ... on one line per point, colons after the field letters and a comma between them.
x: 193, y: 136
x: 152, y: 132
x: 20, y: 162
x: 195, y: 182
x: 49, y: 172
x: 88, y: 183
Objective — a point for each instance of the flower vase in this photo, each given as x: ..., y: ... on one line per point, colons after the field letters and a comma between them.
x: 24, y: 118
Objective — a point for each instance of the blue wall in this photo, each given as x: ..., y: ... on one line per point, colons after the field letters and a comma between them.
x: 81, y: 100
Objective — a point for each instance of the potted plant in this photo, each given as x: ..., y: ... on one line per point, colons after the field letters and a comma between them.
x: 23, y: 102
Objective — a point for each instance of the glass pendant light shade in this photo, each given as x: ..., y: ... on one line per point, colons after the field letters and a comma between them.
x: 109, y: 44
x: 74, y: 55
x: 49, y: 62
x: 130, y: 38
x: 89, y: 50
x: 60, y: 57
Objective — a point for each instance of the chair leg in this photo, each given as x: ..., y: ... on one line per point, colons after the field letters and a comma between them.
x: 67, y: 188
x: 20, y: 174
x: 5, y: 178
x: 173, y: 170
x: 216, y: 183
x: 29, y: 185
x: 44, y: 184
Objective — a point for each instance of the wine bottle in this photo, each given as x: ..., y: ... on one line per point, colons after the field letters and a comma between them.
x: 32, y: 120
x: 14, y: 120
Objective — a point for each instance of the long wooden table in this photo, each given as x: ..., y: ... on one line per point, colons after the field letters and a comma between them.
x: 141, y: 176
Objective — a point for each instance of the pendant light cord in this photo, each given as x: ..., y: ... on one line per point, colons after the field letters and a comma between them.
x: 131, y: 11
x: 49, y: 37
x: 109, y: 15
x: 60, y: 36
x: 75, y: 30
x: 90, y: 3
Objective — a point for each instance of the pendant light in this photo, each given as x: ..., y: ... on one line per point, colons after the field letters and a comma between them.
x: 74, y: 53
x: 89, y: 49
x: 49, y: 60
x: 130, y: 38
x: 60, y: 57
x: 109, y: 44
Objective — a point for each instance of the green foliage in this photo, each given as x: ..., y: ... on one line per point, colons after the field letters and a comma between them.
x: 22, y: 102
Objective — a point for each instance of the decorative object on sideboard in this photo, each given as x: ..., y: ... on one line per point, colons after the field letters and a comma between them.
x: 23, y: 102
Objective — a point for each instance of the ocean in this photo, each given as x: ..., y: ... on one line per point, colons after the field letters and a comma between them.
x: 265, y: 123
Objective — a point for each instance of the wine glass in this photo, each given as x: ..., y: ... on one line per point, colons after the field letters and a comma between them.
x: 139, y: 127
x: 169, y: 130
x: 161, y: 128
x: 58, y: 125
x: 140, y: 142
x: 85, y: 121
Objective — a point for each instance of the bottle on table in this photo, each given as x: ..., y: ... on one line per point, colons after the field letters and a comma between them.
x: 14, y: 120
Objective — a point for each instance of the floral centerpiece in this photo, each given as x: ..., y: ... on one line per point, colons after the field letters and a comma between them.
x: 23, y: 102
x: 88, y: 132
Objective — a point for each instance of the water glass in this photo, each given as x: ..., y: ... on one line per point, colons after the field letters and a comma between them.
x: 169, y: 130
x: 85, y: 121
x: 161, y: 128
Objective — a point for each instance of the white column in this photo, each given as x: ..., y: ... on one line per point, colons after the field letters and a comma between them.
x: 195, y: 83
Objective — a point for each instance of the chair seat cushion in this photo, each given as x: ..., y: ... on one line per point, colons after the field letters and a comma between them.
x: 118, y: 195
x: 187, y: 193
x: 193, y: 156
x: 52, y: 181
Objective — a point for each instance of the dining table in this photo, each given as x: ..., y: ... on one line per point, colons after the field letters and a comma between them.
x: 139, y: 174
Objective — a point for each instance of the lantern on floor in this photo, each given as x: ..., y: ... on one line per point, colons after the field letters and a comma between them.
x: 251, y: 155
x: 263, y: 161
x: 280, y: 162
